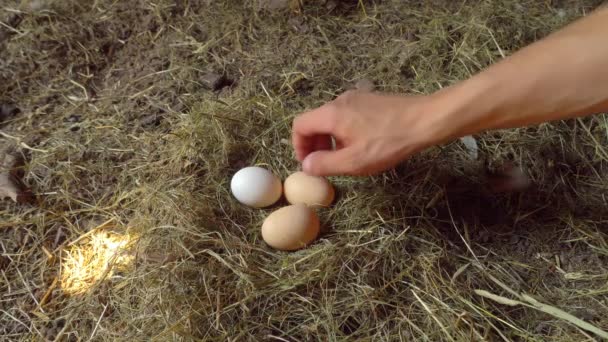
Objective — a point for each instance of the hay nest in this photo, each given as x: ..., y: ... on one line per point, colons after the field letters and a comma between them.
x: 135, y: 114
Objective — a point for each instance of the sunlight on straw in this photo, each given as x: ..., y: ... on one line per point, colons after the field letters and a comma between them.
x: 95, y: 259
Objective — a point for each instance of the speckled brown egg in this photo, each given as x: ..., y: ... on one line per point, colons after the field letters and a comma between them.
x: 291, y: 228
x: 313, y: 191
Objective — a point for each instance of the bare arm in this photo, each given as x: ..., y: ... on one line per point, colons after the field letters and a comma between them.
x: 564, y: 75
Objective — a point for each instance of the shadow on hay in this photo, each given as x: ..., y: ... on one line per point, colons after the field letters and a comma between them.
x: 465, y: 199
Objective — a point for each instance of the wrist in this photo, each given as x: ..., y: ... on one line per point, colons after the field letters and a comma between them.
x: 465, y: 108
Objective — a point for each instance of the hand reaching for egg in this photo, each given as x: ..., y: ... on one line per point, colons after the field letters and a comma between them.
x: 373, y: 132
x: 559, y: 77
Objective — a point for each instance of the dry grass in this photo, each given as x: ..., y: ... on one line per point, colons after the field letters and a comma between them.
x: 122, y: 137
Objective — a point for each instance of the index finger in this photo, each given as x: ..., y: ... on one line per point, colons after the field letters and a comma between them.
x: 309, y: 125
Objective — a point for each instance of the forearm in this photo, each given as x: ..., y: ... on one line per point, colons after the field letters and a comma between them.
x: 562, y: 76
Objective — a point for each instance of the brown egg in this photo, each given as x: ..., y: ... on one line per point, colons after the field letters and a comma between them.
x: 290, y: 228
x: 313, y: 191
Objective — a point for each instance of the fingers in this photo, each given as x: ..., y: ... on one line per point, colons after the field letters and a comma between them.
x: 322, y: 142
x: 320, y: 120
x: 331, y: 163
x: 305, y: 145
x: 312, y: 131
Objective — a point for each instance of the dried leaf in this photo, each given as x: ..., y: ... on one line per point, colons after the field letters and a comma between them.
x: 529, y: 301
x: 561, y: 314
x: 497, y: 298
x: 10, y: 185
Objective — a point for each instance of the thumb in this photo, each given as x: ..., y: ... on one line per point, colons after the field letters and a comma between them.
x: 330, y: 163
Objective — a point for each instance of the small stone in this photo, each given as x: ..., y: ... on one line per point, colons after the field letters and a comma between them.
x: 484, y: 236
x: 59, y: 323
x: 586, y: 314
x: 7, y: 111
x: 211, y: 80
x: 563, y: 259
x: 298, y: 24
x: 4, y: 262
x: 215, y: 81
x: 365, y: 84
x: 331, y: 5
x: 52, y: 333
x: 472, y: 148
x: 274, y: 5
x: 73, y: 118
x: 36, y: 5
x: 514, y: 239
x: 543, y: 328
x: 151, y: 120
x: 179, y: 107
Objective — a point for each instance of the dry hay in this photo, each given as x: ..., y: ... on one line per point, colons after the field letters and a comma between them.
x: 134, y: 115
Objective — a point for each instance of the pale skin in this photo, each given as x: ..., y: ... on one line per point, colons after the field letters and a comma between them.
x: 564, y: 75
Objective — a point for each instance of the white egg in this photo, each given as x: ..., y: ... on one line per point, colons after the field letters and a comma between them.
x: 256, y: 187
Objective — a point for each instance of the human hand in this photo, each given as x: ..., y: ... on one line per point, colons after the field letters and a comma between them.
x: 373, y: 132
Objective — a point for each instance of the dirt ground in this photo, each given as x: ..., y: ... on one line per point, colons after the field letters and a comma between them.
x: 131, y: 117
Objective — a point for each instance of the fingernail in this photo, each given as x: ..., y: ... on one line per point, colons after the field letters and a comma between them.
x: 306, y: 165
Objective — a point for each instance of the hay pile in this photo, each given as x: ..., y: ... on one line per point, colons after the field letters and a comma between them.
x: 135, y: 114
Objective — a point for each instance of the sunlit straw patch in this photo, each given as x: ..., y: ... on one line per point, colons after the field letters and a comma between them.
x: 95, y: 259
